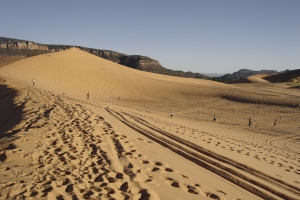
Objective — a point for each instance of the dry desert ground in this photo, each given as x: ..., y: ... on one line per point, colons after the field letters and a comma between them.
x: 121, y: 143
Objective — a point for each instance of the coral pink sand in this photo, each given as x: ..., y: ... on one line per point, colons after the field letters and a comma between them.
x: 57, y: 144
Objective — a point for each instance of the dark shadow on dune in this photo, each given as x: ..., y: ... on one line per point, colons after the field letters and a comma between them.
x: 10, y: 113
x: 283, y: 77
x: 261, y: 99
x: 295, y: 87
x: 243, y: 80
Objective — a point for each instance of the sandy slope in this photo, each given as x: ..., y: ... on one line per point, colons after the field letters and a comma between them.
x: 258, y: 78
x: 8, y: 60
x: 55, y: 143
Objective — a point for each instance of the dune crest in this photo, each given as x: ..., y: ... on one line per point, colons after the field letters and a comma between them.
x: 258, y: 78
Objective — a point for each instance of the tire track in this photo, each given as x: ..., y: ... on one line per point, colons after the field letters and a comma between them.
x: 266, y: 187
x: 283, y: 140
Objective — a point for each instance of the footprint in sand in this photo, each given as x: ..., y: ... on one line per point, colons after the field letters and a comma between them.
x: 192, y: 189
x: 154, y: 169
x: 144, y: 194
x: 33, y: 193
x: 124, y: 187
x: 169, y: 169
x: 220, y: 191
x: 184, y: 176
x: 145, y: 162
x: 213, y: 196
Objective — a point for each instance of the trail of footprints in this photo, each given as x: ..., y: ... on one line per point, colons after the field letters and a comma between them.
x: 69, y: 163
x: 125, y: 148
x: 89, y: 175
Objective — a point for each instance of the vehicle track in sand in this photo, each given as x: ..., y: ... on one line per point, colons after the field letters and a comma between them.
x: 248, y: 178
x: 282, y: 141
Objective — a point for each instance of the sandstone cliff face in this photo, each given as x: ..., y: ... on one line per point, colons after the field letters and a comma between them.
x: 134, y: 61
x: 140, y: 62
x: 23, y: 45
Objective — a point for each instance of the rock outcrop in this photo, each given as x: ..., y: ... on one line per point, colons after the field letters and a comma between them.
x: 106, y: 54
x: 23, y: 45
x: 141, y: 62
x: 20, y: 48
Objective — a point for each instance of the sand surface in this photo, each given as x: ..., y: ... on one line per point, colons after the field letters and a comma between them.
x: 258, y: 78
x: 8, y: 60
x: 122, y: 144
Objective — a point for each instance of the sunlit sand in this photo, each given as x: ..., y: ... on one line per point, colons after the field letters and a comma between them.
x: 121, y: 143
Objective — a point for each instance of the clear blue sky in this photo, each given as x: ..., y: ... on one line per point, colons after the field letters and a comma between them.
x: 212, y: 36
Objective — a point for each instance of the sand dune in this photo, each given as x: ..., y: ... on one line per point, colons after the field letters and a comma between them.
x: 57, y: 144
x: 258, y: 78
x: 75, y: 72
